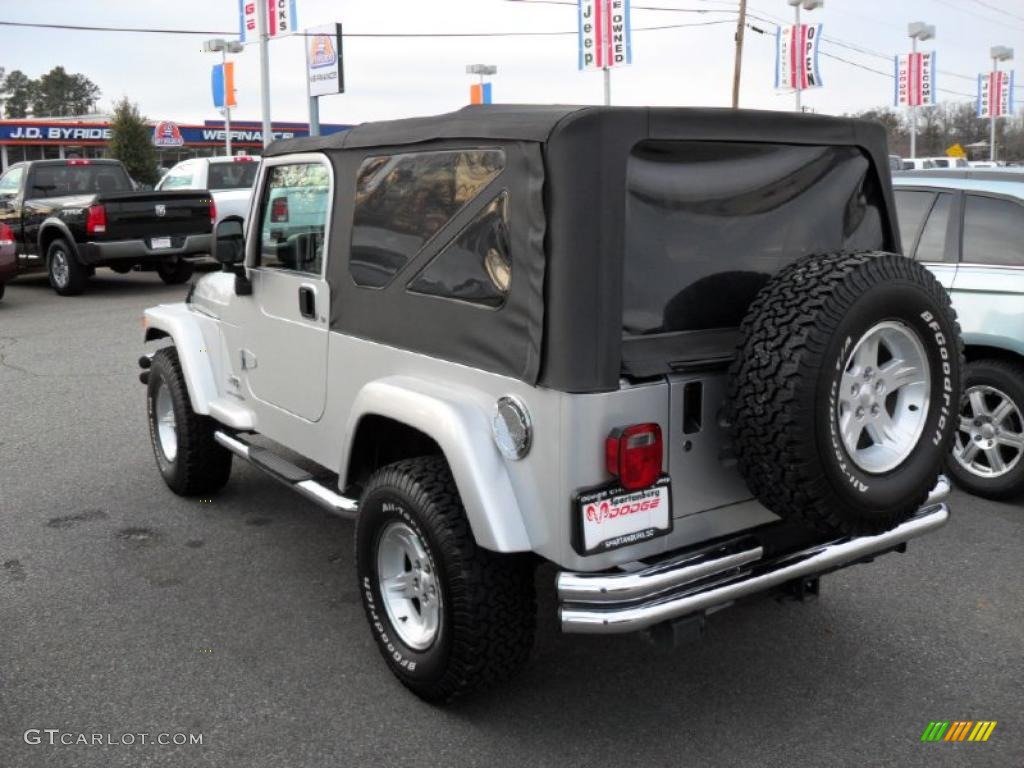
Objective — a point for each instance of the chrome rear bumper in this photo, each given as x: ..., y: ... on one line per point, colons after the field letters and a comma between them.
x: 612, y: 603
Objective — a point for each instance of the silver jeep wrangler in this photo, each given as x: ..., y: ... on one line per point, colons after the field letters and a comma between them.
x: 672, y: 352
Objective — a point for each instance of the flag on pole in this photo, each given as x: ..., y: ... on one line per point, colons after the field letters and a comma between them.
x: 796, y: 57
x: 223, y: 83
x: 915, y: 80
x: 605, y: 34
x: 995, y: 94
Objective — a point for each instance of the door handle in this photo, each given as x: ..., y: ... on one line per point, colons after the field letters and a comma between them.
x: 307, y: 302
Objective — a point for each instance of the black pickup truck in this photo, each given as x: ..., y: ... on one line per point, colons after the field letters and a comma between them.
x: 71, y: 216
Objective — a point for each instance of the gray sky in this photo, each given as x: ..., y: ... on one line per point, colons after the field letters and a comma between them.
x: 169, y: 76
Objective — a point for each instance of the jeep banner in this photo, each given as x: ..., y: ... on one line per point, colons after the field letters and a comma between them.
x: 281, y: 18
x: 605, y: 34
x: 324, y: 65
x: 915, y: 80
x: 995, y: 94
x: 796, y: 57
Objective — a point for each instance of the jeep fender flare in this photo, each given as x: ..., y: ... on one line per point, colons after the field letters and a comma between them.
x: 184, y: 328
x: 459, y: 425
x: 45, y: 234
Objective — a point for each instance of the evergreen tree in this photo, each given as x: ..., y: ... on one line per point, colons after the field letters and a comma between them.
x: 131, y: 142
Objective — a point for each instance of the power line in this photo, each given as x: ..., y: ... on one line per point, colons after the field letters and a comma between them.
x: 983, y: 4
x: 207, y: 32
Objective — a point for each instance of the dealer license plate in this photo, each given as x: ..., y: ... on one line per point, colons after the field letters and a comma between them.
x: 160, y: 242
x: 611, y: 517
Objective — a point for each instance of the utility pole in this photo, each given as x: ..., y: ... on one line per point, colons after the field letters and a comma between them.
x: 917, y: 30
x: 998, y: 53
x: 741, y: 25
x: 262, y: 24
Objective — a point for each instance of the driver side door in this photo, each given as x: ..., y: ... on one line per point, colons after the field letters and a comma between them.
x: 284, y: 357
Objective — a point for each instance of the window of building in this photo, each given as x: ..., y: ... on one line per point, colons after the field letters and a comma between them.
x: 402, y: 201
x: 932, y: 246
x: 293, y: 215
x: 993, y: 231
x: 476, y: 266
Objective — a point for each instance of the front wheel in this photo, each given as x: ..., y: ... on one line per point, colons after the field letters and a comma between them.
x: 67, y: 276
x: 448, y: 616
x: 174, y: 270
x: 988, y: 450
x: 190, y: 459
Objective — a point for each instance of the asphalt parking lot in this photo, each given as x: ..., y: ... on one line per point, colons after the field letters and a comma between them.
x: 125, y: 609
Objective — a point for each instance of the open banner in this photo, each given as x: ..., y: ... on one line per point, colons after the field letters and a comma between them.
x: 796, y: 57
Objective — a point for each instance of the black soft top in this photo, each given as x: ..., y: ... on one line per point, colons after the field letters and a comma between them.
x: 568, y: 174
x: 542, y: 123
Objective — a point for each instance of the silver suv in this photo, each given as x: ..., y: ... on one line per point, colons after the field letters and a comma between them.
x: 670, y: 352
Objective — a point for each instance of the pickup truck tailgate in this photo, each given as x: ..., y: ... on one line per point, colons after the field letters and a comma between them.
x: 145, y: 215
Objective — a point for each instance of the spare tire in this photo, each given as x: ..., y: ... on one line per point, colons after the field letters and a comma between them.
x: 845, y: 391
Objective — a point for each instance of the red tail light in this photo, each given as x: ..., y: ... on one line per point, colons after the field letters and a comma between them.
x: 279, y: 210
x: 633, y: 454
x: 213, y: 212
x: 96, y: 223
x: 6, y: 234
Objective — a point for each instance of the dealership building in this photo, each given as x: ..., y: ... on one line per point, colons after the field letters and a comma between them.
x: 89, y: 136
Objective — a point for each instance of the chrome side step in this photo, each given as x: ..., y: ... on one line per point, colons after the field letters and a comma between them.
x: 289, y: 474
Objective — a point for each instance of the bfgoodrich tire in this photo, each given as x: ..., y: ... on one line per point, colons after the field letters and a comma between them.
x: 845, y: 391
x: 190, y: 460
x: 448, y: 616
x: 988, y: 450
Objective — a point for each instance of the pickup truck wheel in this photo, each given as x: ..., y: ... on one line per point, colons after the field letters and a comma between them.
x: 190, y: 460
x: 174, y: 270
x: 67, y: 276
x: 448, y: 616
x: 1, y: 290
x: 988, y: 450
x: 844, y: 391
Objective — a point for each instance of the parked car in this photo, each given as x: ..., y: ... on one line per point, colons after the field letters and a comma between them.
x: 969, y: 230
x: 8, y: 256
x: 673, y: 352
x: 229, y: 180
x: 918, y: 163
x: 70, y: 216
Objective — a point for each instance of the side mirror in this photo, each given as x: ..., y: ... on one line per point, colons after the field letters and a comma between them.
x: 229, y: 242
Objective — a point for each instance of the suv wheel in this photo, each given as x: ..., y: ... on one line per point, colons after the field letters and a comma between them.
x: 988, y: 450
x: 174, y: 270
x: 67, y: 276
x: 843, y: 391
x: 190, y: 460
x: 448, y: 616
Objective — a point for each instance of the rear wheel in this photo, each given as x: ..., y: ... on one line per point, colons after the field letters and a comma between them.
x: 448, y: 616
x: 174, y: 270
x: 67, y: 275
x: 1, y: 290
x: 190, y: 459
x: 988, y: 449
x: 843, y: 391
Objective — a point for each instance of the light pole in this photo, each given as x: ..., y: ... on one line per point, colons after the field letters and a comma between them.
x: 807, y: 5
x: 917, y: 30
x: 482, y: 70
x: 225, y: 47
x: 262, y: 27
x: 998, y: 53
